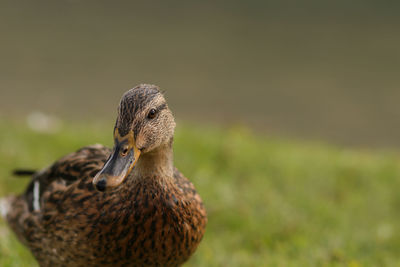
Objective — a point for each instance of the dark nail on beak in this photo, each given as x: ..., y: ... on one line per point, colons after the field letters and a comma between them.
x: 101, y: 185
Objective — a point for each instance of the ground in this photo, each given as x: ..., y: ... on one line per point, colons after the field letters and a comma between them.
x: 270, y: 201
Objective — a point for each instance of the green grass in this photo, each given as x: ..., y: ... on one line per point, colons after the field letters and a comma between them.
x: 270, y: 202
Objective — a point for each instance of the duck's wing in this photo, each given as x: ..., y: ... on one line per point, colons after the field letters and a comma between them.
x: 78, y: 166
x: 25, y: 212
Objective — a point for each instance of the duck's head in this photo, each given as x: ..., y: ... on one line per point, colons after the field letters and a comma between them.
x: 144, y: 123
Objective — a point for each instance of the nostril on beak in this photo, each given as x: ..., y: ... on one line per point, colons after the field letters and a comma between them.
x: 101, y: 185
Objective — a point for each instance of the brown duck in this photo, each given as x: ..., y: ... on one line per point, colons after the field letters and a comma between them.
x: 126, y: 206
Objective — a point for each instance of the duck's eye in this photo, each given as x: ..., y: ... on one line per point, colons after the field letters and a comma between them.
x: 124, y: 151
x: 152, y: 113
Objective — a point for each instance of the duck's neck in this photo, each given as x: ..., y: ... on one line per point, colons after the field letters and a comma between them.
x: 156, y: 163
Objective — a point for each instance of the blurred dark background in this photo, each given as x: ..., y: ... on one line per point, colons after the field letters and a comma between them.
x: 326, y: 70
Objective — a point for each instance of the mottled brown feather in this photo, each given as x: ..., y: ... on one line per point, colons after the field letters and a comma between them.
x: 147, y: 222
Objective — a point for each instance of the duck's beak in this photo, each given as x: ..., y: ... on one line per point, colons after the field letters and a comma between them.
x: 121, y: 162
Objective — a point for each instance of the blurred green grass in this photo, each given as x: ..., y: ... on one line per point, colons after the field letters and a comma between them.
x: 270, y: 202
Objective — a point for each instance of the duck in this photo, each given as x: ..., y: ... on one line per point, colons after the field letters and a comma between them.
x: 121, y: 206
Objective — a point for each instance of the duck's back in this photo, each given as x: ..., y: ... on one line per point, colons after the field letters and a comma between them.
x: 152, y: 221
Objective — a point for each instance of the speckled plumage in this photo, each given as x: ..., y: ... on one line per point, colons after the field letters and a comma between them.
x: 154, y: 218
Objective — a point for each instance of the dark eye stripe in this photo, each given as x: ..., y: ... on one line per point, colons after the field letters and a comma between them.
x: 162, y: 106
